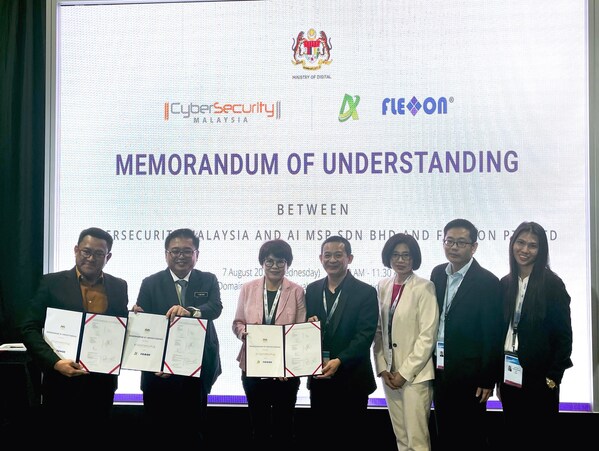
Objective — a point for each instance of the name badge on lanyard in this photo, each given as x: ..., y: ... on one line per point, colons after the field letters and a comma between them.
x: 512, y: 370
x: 440, y: 353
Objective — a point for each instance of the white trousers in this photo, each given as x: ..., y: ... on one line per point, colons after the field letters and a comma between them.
x: 409, y: 409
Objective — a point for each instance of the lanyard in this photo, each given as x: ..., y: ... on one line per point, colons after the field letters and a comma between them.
x: 270, y: 313
x: 395, y: 301
x: 393, y: 306
x: 333, y: 308
x: 518, y: 313
x: 453, y: 284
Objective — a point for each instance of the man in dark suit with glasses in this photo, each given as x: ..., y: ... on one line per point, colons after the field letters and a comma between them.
x: 75, y: 401
x: 468, y: 353
x: 176, y: 406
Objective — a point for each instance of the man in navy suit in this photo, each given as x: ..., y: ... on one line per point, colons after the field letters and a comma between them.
x: 347, y: 309
x: 172, y: 402
x: 75, y: 402
x: 468, y: 354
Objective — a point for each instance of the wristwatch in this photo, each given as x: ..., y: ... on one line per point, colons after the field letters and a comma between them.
x: 550, y: 383
x: 194, y: 312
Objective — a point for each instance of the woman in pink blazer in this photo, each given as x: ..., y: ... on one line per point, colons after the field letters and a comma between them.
x: 271, y: 299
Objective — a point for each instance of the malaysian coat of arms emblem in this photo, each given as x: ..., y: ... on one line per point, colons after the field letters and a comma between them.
x: 312, y: 50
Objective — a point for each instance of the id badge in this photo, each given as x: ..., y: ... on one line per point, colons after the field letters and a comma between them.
x: 440, y: 353
x: 512, y: 371
x: 326, y: 356
x: 389, y: 359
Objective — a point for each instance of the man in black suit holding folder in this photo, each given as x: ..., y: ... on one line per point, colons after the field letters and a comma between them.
x: 173, y: 401
x: 75, y: 402
x: 348, y: 312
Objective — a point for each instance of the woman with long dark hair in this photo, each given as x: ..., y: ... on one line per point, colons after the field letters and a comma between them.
x: 538, y: 341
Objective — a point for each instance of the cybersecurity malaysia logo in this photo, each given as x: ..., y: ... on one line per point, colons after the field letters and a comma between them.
x: 312, y: 50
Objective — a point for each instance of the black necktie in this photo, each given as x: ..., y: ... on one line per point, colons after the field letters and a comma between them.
x: 183, y: 284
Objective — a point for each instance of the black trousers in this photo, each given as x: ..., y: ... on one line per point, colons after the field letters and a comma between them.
x: 271, y: 405
x: 175, y: 410
x: 530, y: 413
x: 460, y: 417
x: 337, y: 413
x: 72, y: 407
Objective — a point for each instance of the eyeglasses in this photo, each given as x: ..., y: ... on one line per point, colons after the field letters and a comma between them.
x: 269, y: 263
x: 86, y: 253
x: 405, y: 256
x: 181, y: 252
x: 459, y: 243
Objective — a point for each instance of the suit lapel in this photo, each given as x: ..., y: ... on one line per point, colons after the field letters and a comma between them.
x: 466, y: 284
x: 74, y: 291
x: 318, y: 306
x: 343, y: 301
x: 171, y: 289
x: 440, y: 282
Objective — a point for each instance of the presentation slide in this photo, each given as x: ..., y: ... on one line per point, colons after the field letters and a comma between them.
x: 253, y: 120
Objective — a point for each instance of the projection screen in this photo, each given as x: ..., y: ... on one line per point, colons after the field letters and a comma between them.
x: 253, y: 120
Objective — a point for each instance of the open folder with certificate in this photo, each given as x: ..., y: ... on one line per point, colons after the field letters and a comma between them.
x: 152, y: 343
x: 93, y: 340
x: 185, y: 347
x: 290, y: 350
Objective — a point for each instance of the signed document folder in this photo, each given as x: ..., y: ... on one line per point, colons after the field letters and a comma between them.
x: 93, y: 340
x: 154, y: 344
x: 290, y: 350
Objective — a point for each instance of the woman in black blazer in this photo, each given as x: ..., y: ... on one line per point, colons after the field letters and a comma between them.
x: 538, y: 341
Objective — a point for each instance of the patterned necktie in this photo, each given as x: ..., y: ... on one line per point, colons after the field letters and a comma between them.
x: 183, y: 284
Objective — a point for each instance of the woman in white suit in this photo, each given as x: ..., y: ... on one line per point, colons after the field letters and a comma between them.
x: 271, y: 299
x: 404, y: 342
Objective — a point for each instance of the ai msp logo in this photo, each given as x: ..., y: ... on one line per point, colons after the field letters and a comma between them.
x: 311, y: 50
x: 349, y: 108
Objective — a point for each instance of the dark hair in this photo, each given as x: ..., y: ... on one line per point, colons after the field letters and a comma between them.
x: 182, y: 233
x: 535, y: 290
x: 277, y: 248
x: 400, y: 238
x: 463, y: 223
x: 337, y: 239
x: 96, y: 233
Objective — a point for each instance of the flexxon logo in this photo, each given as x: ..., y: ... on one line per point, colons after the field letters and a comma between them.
x: 428, y: 106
